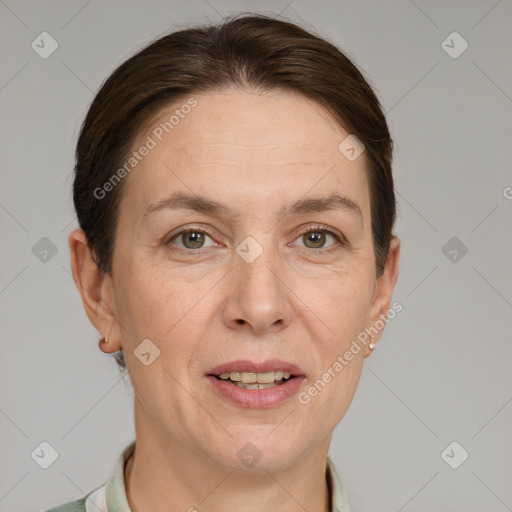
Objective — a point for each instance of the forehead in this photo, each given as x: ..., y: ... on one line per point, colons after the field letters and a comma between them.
x: 251, y: 118
x: 246, y: 142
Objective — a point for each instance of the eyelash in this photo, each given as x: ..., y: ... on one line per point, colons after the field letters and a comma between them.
x: 341, y: 240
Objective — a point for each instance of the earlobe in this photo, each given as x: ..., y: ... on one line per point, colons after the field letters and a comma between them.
x: 95, y: 289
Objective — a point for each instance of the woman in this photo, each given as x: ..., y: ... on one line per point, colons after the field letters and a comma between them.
x: 234, y: 193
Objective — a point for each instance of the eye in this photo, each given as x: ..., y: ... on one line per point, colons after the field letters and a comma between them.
x: 315, y: 238
x: 191, y: 239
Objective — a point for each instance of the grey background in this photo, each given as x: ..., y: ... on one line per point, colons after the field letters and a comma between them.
x: 442, y: 370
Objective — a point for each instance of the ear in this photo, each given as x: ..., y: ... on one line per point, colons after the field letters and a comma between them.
x: 95, y: 288
x: 383, y: 291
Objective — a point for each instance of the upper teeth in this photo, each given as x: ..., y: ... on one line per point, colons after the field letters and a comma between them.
x: 261, y: 378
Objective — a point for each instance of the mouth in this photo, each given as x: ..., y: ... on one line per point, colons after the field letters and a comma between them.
x: 251, y: 380
x: 257, y: 385
x: 272, y: 371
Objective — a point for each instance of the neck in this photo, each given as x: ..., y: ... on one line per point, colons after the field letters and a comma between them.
x: 164, y: 475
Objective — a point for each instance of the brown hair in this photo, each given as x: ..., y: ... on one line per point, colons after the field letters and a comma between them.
x: 248, y: 51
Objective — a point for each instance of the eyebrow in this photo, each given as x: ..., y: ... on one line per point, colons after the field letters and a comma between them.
x: 199, y: 203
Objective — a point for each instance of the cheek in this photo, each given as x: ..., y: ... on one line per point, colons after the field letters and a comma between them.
x: 157, y: 304
x: 151, y: 297
x: 341, y: 307
x: 340, y: 304
x: 329, y: 394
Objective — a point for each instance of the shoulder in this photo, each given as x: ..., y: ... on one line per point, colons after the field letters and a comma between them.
x: 72, y: 506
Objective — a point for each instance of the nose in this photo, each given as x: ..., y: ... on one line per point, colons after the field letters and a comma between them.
x: 258, y: 300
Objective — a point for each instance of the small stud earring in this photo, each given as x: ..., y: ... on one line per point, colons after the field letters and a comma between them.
x: 372, y: 345
x: 104, y: 340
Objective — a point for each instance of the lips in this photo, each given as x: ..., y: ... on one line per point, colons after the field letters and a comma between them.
x: 244, y: 365
x: 267, y: 395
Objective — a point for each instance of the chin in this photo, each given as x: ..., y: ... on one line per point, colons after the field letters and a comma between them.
x: 260, y: 449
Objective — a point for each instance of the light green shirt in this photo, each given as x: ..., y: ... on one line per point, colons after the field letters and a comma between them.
x: 111, y: 497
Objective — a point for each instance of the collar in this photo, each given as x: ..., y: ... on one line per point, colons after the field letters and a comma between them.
x: 111, y: 497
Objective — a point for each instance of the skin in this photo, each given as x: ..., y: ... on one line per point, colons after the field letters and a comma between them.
x: 300, y: 306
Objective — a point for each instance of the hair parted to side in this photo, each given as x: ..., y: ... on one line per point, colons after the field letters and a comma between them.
x: 249, y: 51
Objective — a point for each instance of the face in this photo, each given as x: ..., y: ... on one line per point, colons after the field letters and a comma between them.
x: 246, y: 277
